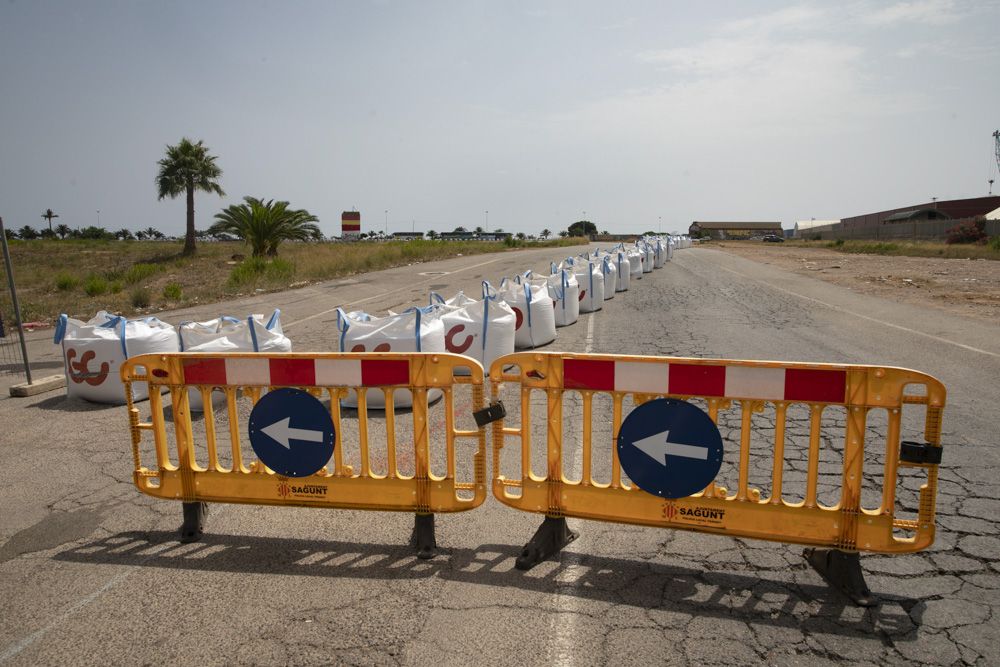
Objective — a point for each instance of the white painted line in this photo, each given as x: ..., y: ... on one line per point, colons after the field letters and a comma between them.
x: 589, y: 346
x: 16, y: 648
x: 866, y: 317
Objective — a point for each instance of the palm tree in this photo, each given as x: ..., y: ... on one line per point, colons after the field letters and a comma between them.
x: 48, y: 215
x: 63, y: 231
x: 265, y: 224
x: 545, y: 234
x: 186, y: 168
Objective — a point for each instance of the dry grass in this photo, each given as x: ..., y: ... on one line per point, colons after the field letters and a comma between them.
x: 80, y: 277
x: 907, y: 248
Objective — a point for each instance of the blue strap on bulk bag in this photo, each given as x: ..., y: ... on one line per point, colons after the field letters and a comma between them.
x: 60, y: 331
x: 342, y: 326
x: 416, y: 327
x: 274, y: 319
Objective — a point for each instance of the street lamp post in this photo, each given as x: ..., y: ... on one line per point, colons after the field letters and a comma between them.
x: 487, y: 221
x: 387, y: 222
x: 98, y: 217
x: 659, y: 228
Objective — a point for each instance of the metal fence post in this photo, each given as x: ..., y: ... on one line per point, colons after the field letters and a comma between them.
x: 13, y: 298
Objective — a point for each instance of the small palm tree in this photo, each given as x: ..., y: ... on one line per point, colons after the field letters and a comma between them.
x: 186, y: 168
x: 545, y: 233
x: 48, y: 215
x: 63, y: 231
x: 265, y: 224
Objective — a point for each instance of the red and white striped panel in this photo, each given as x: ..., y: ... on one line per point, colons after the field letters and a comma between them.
x: 679, y: 379
x: 264, y: 371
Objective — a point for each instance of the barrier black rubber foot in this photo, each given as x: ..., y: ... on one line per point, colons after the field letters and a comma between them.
x: 423, y: 536
x: 547, y: 541
x: 194, y: 521
x: 842, y: 570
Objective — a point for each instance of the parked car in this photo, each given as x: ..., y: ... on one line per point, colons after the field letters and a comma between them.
x: 773, y: 238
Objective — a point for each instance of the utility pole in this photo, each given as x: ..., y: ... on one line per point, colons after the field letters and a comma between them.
x: 487, y: 221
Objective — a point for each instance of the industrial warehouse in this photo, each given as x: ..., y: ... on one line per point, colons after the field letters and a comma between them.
x: 924, y: 221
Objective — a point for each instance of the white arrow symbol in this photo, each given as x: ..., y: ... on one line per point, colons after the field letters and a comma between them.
x: 658, y: 446
x: 281, y: 433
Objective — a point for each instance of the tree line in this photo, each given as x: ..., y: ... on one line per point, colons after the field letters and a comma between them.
x: 189, y: 167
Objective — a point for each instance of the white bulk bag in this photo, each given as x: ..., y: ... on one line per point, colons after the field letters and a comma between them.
x: 588, y: 274
x: 659, y: 254
x: 483, y: 330
x: 231, y: 334
x: 610, y: 277
x: 94, y: 351
x: 565, y: 292
x: 413, y: 330
x: 624, y: 267
x: 635, y: 263
x: 535, y: 323
x: 645, y: 256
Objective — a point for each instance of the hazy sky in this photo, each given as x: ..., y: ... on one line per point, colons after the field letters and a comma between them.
x: 537, y: 112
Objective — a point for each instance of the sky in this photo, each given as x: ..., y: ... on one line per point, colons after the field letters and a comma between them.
x: 515, y: 115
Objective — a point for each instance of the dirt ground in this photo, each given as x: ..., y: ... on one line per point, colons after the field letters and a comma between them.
x: 969, y: 287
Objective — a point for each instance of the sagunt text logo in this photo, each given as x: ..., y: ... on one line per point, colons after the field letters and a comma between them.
x: 286, y: 489
x: 693, y: 514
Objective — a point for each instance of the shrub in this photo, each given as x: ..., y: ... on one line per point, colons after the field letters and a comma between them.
x: 967, y: 232
x: 95, y: 285
x: 115, y: 286
x: 994, y: 243
x: 140, y: 298
x: 253, y: 269
x: 66, y: 282
x: 139, y: 272
x: 172, y: 291
x: 280, y: 270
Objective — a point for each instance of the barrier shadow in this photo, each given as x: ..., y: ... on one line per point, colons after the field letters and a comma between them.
x: 64, y: 403
x: 638, y: 583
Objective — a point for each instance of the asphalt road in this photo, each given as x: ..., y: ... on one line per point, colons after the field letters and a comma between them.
x: 91, y: 571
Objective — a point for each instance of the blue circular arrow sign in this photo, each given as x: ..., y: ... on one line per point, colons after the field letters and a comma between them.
x: 670, y: 448
x: 291, y: 432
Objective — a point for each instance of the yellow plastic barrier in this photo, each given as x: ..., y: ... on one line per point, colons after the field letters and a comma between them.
x: 785, y: 512
x: 393, y: 452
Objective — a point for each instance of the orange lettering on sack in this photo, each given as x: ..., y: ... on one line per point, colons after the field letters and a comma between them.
x: 381, y: 347
x: 449, y: 340
x: 79, y: 372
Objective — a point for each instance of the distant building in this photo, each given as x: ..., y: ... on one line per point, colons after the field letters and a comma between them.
x: 805, y: 225
x: 473, y: 236
x: 350, y: 225
x: 734, y: 230
x: 929, y: 220
x: 407, y: 236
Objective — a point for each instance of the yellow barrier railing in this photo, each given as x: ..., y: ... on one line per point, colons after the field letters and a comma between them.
x: 822, y: 478
x: 393, y: 458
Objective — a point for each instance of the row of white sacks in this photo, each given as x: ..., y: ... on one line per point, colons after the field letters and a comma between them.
x: 520, y: 313
x: 93, y: 351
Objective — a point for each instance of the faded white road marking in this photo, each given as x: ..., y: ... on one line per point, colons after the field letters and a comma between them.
x: 867, y: 317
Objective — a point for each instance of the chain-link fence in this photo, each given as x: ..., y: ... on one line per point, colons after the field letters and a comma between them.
x: 12, y: 347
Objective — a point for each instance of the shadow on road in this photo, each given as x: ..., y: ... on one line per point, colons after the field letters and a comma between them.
x: 614, y: 580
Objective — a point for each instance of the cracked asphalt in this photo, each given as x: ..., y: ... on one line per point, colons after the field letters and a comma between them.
x: 91, y: 571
